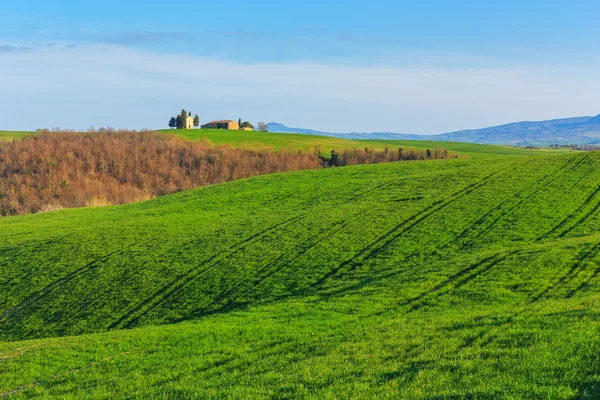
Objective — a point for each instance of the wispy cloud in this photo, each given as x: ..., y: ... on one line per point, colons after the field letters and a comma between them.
x: 7, y: 48
x: 233, y: 34
x: 136, y: 38
x: 106, y: 85
x: 140, y: 37
x: 48, y: 44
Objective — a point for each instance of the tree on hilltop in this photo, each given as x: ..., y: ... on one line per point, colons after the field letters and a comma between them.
x: 196, y: 121
x: 246, y: 124
x: 183, y: 116
x: 262, y: 127
x: 179, y: 122
x: 240, y: 123
x: 172, y: 122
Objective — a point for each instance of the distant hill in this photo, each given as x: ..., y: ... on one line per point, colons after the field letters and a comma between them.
x: 275, y: 127
x: 593, y: 121
x: 579, y: 130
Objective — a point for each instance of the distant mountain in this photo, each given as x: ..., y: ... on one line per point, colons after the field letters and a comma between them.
x: 275, y: 127
x: 593, y: 121
x: 577, y: 130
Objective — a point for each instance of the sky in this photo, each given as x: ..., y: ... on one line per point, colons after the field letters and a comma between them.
x: 341, y: 66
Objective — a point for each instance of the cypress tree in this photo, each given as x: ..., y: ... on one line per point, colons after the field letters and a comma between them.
x: 183, y: 117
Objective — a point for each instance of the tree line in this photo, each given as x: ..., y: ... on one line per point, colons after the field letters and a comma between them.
x: 178, y: 121
x: 371, y: 156
x: 52, y: 171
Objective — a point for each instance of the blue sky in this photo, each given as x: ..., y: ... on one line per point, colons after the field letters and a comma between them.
x: 403, y: 66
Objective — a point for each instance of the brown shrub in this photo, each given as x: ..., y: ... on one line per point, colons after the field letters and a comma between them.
x: 67, y: 169
x: 56, y: 170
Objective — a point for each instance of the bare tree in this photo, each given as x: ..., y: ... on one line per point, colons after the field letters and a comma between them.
x: 262, y: 127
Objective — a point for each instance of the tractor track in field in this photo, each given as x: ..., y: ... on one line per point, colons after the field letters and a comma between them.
x: 585, y: 216
x: 458, y: 280
x: 485, y: 337
x: 467, y: 275
x: 305, y: 247
x: 21, y: 251
x: 183, y: 280
x: 56, y: 377
x: 378, y: 245
x: 68, y: 283
x: 571, y: 218
x: 571, y: 274
x: 524, y: 195
x: 271, y: 266
x: 99, y: 296
x: 527, y: 189
x: 584, y: 284
x: 373, y: 189
x: 100, y: 293
x: 372, y: 247
x: 280, y: 198
x: 43, y: 294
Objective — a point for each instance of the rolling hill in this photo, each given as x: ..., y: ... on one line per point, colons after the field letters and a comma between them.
x: 464, y: 278
x: 325, y: 144
x: 10, y: 135
x: 577, y: 130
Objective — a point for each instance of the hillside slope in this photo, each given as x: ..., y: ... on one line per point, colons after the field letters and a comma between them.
x: 443, y: 279
x: 325, y: 144
x: 11, y: 135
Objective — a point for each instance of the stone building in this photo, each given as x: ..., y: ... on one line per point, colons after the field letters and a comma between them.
x: 222, y: 124
x: 189, y: 122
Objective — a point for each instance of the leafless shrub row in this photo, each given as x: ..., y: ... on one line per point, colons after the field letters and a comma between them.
x: 55, y: 170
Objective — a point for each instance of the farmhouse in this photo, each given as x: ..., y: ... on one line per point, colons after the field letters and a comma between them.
x: 222, y: 124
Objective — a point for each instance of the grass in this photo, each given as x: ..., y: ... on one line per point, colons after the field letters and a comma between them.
x: 467, y: 278
x: 10, y: 135
x: 326, y: 144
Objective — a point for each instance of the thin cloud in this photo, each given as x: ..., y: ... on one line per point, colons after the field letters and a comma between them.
x: 139, y: 37
x: 49, y: 44
x: 136, y: 38
x: 6, y: 48
x: 106, y: 85
x: 234, y: 34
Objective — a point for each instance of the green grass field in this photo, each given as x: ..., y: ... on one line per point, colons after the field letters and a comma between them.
x: 326, y: 144
x: 448, y: 279
x: 10, y: 135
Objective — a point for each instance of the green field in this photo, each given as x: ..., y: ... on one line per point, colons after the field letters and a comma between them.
x: 448, y: 279
x: 326, y: 144
x: 10, y: 135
